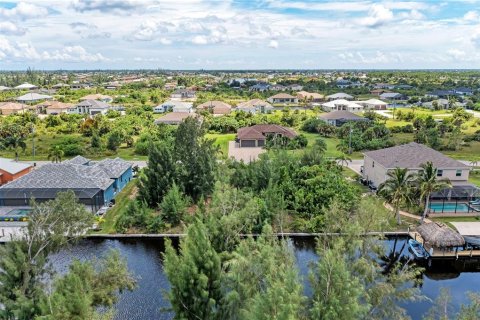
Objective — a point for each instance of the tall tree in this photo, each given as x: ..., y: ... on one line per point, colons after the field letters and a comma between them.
x: 24, y: 262
x: 55, y: 154
x: 194, y: 275
x: 396, y: 189
x: 428, y: 183
x: 196, y: 159
x: 173, y: 206
x: 157, y: 178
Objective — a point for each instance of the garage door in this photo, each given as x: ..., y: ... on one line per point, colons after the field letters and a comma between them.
x: 247, y: 143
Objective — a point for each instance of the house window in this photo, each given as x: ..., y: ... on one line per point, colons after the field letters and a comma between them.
x: 439, y: 173
x: 458, y: 173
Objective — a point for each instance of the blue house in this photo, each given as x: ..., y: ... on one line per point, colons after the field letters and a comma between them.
x: 95, y: 183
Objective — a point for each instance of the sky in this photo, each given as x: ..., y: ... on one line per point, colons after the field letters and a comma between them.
x: 239, y: 34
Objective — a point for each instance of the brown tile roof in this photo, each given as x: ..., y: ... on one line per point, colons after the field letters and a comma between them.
x: 253, y: 103
x: 282, y: 96
x: 258, y: 131
x: 55, y: 105
x: 96, y: 96
x: 12, y: 106
x: 412, y: 155
x: 219, y: 107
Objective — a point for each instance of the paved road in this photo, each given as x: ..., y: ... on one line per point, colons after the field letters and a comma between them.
x: 384, y: 113
x: 476, y: 114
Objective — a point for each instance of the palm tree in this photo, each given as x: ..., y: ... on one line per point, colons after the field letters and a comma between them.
x: 396, y: 189
x: 343, y: 160
x: 55, y: 154
x: 320, y: 145
x: 15, y: 142
x: 428, y: 183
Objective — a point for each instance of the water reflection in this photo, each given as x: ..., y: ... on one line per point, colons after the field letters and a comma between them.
x: 144, y: 260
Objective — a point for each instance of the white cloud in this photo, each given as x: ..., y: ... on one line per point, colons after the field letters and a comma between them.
x: 475, y: 39
x: 379, y: 57
x: 350, y: 6
x: 9, y: 28
x: 377, y: 16
x: 24, y: 51
x: 273, y: 44
x: 23, y: 10
x: 471, y: 16
x: 457, y: 54
x: 149, y: 30
x: 200, y: 40
x: 106, y: 5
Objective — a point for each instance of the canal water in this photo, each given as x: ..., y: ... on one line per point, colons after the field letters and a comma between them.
x: 147, y: 301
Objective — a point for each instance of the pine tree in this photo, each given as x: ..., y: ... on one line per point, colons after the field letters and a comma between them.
x: 159, y: 176
x: 194, y: 275
x: 173, y: 206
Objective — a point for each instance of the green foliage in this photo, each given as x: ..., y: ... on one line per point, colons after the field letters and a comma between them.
x: 114, y: 140
x: 136, y: 215
x: 71, y: 146
x: 195, y: 276
x: 24, y: 262
x: 173, y: 206
x: 77, y: 294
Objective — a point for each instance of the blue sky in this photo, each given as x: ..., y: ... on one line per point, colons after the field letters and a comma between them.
x: 236, y: 34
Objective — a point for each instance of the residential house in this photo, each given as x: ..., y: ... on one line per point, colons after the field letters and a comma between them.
x: 342, y: 104
x: 255, y: 106
x: 441, y: 104
x: 256, y: 136
x: 340, y: 117
x: 260, y: 87
x: 373, y: 104
x: 277, y: 87
x: 97, y: 96
x: 339, y: 95
x: 388, y: 86
x: 378, y: 92
x: 217, y: 108
x: 175, y: 106
x: 175, y: 118
x: 95, y: 183
x: 170, y: 86
x: 444, y: 94
x: 282, y: 98
x: 463, y: 91
x: 3, y: 88
x: 7, y: 108
x: 33, y: 97
x: 78, y: 86
x: 378, y: 163
x: 404, y: 87
x: 55, y: 107
x: 294, y: 87
x: 91, y: 107
x: 392, y: 96
x: 60, y: 86
x: 342, y: 83
x: 11, y: 170
x: 183, y: 94
x: 26, y: 86
x: 312, y: 97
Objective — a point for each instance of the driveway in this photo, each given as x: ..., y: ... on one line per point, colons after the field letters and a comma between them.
x: 355, y: 165
x: 385, y: 113
x: 476, y: 114
x: 245, y: 154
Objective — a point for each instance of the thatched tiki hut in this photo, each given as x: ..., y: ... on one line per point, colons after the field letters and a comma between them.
x: 438, y: 235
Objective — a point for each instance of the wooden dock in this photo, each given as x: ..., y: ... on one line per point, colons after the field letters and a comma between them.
x: 436, y: 253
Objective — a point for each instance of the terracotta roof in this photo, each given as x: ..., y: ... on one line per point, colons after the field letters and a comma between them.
x: 219, y: 107
x: 55, y: 105
x: 253, y: 103
x: 258, y: 131
x: 12, y: 106
x: 412, y: 155
x: 282, y: 96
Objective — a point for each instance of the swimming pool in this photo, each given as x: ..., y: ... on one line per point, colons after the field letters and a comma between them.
x: 449, y: 207
x: 19, y: 214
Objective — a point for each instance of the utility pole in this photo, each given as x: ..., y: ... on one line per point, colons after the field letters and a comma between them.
x: 33, y: 144
x: 350, y: 141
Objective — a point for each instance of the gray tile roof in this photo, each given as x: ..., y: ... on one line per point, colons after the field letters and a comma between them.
x: 340, y: 115
x: 72, y: 174
x: 77, y: 160
x: 94, y: 104
x: 412, y: 155
x: 12, y: 166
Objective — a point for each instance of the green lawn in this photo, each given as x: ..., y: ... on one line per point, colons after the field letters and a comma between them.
x: 475, y: 177
x: 222, y: 140
x: 121, y: 202
x: 332, y: 143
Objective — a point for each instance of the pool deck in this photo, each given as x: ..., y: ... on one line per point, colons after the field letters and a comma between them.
x: 467, y: 228
x: 5, y: 210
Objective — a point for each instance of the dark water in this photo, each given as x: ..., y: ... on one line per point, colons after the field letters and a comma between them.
x: 144, y: 260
